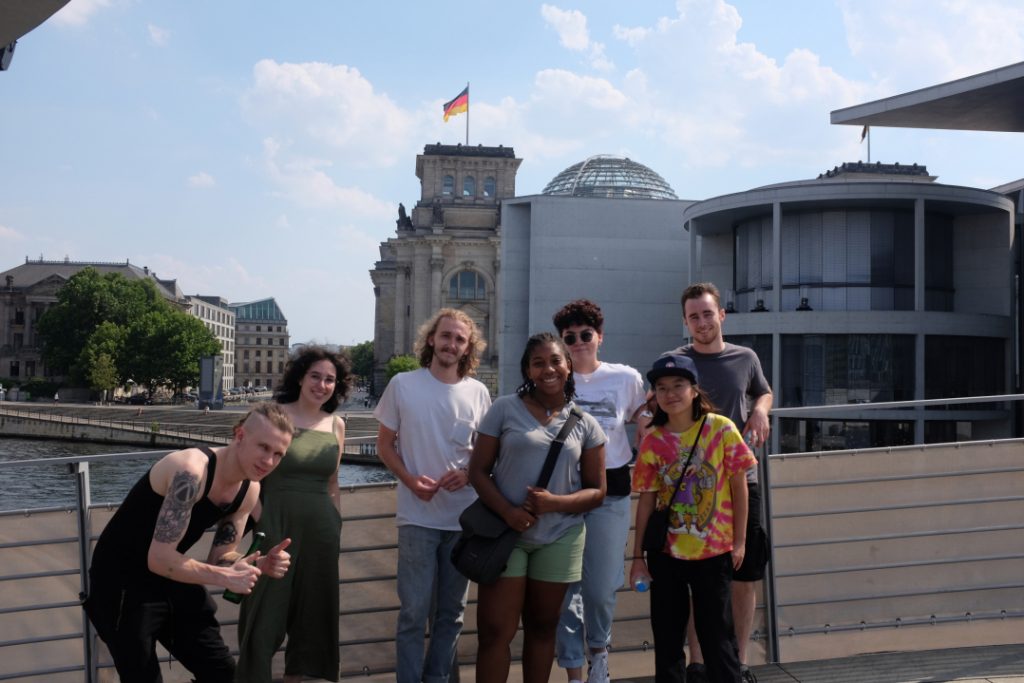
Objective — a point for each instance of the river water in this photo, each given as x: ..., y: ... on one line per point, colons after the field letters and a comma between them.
x: 36, y: 486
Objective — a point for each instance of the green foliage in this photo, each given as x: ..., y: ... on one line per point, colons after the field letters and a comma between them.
x: 401, y: 364
x: 106, y: 329
x: 103, y: 373
x: 362, y: 359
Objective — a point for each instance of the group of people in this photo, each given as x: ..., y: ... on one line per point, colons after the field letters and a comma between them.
x: 447, y: 444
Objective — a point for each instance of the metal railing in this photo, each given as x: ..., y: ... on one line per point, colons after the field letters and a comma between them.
x: 837, y: 572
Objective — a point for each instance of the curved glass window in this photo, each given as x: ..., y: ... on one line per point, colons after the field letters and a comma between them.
x: 489, y: 187
x: 469, y: 186
x: 829, y: 369
x: 467, y: 285
x: 845, y: 260
x: 449, y: 186
x: 964, y: 366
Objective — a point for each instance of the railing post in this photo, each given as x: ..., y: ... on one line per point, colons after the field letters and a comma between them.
x: 770, y: 591
x: 81, y: 472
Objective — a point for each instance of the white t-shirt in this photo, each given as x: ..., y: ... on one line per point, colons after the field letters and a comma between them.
x: 436, y: 426
x: 611, y: 394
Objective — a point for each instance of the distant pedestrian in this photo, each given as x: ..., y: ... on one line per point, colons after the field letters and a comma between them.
x: 56, y: 398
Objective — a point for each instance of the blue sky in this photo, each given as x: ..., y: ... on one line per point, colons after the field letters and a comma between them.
x: 254, y: 149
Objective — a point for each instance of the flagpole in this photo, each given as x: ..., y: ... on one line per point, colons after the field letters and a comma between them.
x: 467, y: 119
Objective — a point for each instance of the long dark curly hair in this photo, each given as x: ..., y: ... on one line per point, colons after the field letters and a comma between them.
x: 532, y: 343
x: 299, y: 364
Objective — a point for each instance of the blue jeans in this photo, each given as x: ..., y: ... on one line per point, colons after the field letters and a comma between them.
x: 589, y: 605
x: 430, y: 590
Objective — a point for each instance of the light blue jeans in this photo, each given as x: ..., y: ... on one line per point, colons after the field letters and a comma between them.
x: 430, y: 590
x: 589, y: 605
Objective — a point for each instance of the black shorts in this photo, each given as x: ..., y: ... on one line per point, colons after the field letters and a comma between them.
x: 755, y: 558
x: 131, y: 622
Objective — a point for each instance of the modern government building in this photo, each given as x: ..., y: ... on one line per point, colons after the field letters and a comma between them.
x: 869, y: 283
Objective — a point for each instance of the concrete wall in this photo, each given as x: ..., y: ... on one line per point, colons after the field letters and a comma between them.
x: 630, y: 256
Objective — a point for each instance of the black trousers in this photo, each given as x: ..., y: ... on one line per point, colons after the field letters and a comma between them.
x: 131, y: 622
x: 710, y: 583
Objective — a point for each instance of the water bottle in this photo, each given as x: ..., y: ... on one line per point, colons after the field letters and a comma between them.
x: 642, y: 583
x: 257, y: 541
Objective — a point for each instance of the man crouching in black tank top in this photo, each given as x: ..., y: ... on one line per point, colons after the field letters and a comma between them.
x: 144, y: 590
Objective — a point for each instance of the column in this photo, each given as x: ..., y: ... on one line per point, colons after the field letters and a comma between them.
x: 436, y: 267
x: 401, y: 275
x: 919, y: 308
x: 776, y: 300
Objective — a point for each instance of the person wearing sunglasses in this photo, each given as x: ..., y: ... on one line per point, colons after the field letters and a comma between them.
x: 614, y: 395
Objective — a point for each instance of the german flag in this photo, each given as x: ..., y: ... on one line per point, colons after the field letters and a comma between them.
x: 459, y: 105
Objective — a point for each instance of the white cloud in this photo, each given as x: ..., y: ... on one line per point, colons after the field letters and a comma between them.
x: 316, y: 105
x: 916, y: 43
x: 201, y: 180
x: 630, y: 35
x: 749, y: 105
x: 565, y: 87
x: 306, y: 182
x: 158, y: 36
x: 197, y: 277
x: 79, y: 12
x: 571, y: 26
x: 10, y: 234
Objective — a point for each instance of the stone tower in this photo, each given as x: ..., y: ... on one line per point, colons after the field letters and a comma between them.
x: 445, y: 252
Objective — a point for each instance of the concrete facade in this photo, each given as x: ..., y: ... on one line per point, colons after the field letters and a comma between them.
x: 630, y: 256
x: 220, y: 320
x: 445, y: 252
x: 261, y: 343
x: 951, y: 306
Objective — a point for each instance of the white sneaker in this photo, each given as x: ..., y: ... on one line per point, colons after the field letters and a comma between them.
x: 598, y: 668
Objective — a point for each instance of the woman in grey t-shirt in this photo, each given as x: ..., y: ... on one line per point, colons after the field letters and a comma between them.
x: 512, y: 443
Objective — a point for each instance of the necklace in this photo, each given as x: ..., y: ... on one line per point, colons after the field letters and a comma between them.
x: 548, y: 411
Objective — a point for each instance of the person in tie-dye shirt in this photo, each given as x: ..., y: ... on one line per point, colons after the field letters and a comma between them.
x: 707, y: 522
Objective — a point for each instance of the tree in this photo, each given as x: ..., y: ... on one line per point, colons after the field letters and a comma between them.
x: 103, y: 374
x: 362, y: 359
x: 401, y: 364
x: 87, y: 300
x: 165, y: 349
x: 128, y: 323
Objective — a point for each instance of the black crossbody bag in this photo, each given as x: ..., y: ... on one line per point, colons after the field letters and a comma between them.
x: 482, y: 551
x: 657, y: 524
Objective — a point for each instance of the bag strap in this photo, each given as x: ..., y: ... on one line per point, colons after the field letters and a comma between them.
x: 689, y: 458
x: 575, y: 415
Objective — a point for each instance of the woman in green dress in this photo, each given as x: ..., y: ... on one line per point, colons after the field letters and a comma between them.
x: 300, y: 500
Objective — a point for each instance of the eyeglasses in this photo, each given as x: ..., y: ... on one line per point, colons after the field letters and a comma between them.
x: 586, y: 336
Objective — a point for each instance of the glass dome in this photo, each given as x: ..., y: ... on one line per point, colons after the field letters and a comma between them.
x: 616, y: 177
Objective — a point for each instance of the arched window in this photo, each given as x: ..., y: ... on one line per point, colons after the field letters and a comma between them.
x: 467, y: 284
x: 468, y: 186
x: 449, y: 186
x: 489, y: 186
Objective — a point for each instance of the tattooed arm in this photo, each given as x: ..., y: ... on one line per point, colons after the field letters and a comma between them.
x: 179, y: 478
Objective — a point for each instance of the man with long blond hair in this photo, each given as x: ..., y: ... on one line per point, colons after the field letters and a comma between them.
x: 428, y: 420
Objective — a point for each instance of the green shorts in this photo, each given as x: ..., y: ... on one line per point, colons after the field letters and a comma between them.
x: 560, y: 561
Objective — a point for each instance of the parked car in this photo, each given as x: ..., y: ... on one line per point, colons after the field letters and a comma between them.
x: 140, y: 400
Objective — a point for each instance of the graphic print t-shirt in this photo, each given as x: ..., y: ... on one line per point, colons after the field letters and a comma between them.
x: 701, y: 517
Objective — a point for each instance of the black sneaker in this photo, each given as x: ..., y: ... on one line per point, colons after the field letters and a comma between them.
x: 696, y: 673
x: 746, y: 675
